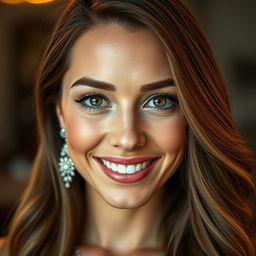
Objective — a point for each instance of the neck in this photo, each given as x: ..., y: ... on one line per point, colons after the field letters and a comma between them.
x: 123, y: 230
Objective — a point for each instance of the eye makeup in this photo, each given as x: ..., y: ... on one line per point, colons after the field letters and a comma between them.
x: 169, y: 101
x: 94, y: 101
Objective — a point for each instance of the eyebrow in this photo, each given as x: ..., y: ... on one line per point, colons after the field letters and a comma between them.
x: 86, y: 81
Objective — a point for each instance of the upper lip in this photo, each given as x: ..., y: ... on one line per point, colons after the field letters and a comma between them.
x: 126, y: 161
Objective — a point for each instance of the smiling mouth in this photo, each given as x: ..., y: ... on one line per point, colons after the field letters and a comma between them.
x: 125, y: 173
x: 129, y: 169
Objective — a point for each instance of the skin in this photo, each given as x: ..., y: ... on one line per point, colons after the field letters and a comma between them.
x: 126, y: 127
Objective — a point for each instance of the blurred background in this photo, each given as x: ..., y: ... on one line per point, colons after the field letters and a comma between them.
x: 25, y: 27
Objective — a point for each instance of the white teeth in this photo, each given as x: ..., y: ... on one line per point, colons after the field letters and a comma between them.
x: 113, y: 166
x: 144, y: 165
x: 121, y: 168
x: 138, y: 167
x: 108, y: 164
x: 130, y: 169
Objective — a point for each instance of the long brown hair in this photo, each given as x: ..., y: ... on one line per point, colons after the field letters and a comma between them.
x: 209, y: 213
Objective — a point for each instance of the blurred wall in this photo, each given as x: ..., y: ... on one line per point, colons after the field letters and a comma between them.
x: 24, y: 29
x: 230, y: 28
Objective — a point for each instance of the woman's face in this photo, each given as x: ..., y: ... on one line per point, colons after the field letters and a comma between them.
x: 119, y: 103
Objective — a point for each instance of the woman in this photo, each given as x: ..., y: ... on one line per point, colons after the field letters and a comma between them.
x: 151, y: 162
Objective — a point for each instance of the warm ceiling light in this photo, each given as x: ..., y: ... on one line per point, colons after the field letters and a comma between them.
x: 27, y: 1
x: 13, y: 1
x: 39, y: 1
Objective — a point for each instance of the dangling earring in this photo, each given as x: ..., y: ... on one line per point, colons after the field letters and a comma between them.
x: 66, y: 165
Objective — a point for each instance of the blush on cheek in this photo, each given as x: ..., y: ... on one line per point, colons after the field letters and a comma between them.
x: 83, y: 134
x: 172, y: 135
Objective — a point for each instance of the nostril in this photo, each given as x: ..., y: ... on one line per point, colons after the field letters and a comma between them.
x: 128, y: 140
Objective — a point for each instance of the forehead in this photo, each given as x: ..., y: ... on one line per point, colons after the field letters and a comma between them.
x: 114, y: 54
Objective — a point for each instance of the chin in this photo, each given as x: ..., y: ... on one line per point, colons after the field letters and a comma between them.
x: 127, y: 201
x: 125, y: 205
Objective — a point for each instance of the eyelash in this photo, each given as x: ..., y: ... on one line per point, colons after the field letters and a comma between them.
x: 89, y: 95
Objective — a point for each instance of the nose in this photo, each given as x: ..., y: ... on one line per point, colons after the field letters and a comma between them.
x: 127, y: 133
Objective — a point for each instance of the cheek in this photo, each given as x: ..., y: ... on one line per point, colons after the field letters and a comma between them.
x: 83, y: 133
x: 169, y: 134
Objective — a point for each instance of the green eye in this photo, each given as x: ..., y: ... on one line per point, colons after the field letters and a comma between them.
x: 93, y: 101
x: 161, y: 102
x: 96, y: 100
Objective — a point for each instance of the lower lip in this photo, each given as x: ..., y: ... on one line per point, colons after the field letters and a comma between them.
x: 127, y: 178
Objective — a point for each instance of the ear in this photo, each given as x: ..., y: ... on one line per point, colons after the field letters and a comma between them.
x: 59, y: 114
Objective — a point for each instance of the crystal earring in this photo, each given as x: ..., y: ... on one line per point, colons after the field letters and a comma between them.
x: 66, y: 165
